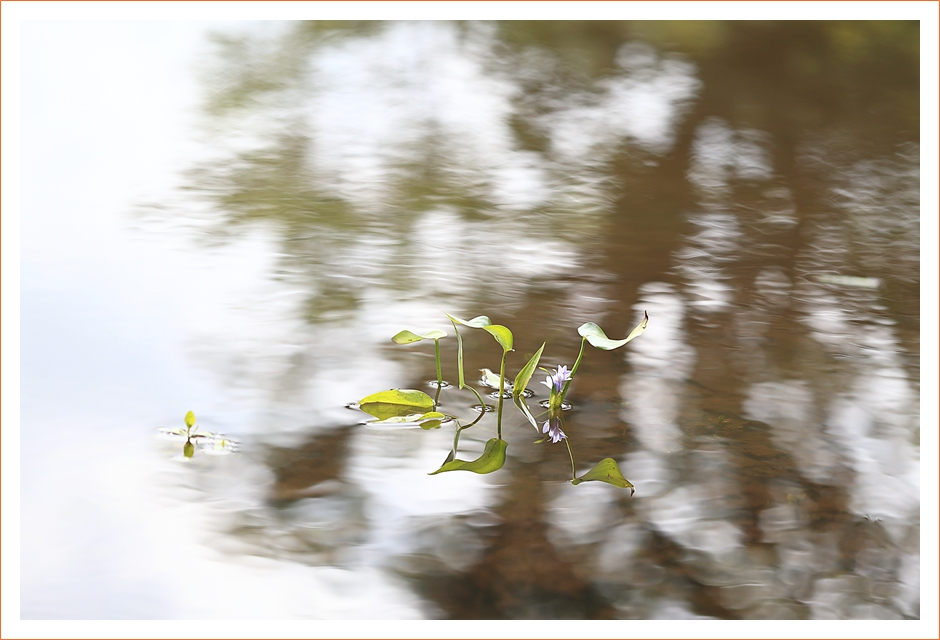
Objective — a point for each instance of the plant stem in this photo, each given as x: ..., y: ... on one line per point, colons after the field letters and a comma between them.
x: 574, y: 369
x: 437, y: 361
x: 499, y: 404
x: 574, y: 473
x: 460, y: 381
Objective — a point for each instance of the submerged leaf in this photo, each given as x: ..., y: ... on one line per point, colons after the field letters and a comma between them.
x: 493, y: 458
x: 502, y: 334
x: 606, y: 471
x: 850, y: 281
x: 490, y: 379
x: 598, y: 339
x: 190, y: 418
x: 396, y: 402
x: 219, y: 446
x: 429, y: 420
x: 407, y: 337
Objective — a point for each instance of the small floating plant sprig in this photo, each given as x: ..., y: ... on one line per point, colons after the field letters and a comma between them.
x: 209, y: 442
x: 410, y: 408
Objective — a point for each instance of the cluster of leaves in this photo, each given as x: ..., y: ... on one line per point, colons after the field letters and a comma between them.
x: 209, y: 442
x: 410, y: 408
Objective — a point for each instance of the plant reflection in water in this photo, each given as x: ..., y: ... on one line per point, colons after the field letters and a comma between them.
x: 410, y: 408
x: 210, y: 443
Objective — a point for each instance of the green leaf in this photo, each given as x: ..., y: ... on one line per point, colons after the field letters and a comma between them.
x: 519, y: 385
x: 190, y: 419
x: 523, y: 377
x: 396, y: 402
x: 524, y: 408
x: 407, y: 337
x: 477, y: 323
x: 598, y: 339
x: 429, y: 420
x: 502, y: 334
x: 493, y: 458
x: 606, y: 471
x: 189, y: 449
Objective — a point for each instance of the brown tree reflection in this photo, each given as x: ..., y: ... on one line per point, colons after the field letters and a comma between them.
x: 754, y: 185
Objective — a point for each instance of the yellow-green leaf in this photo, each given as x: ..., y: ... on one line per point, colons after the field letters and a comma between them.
x: 493, y: 458
x: 190, y: 418
x: 396, y: 402
x: 606, y: 471
x: 407, y: 337
x: 502, y: 334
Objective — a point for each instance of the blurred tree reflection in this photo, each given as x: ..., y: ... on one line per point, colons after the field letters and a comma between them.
x: 565, y: 164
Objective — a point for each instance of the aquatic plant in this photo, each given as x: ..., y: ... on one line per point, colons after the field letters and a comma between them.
x: 209, y: 442
x: 410, y: 408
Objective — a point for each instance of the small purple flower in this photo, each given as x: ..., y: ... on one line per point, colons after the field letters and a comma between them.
x: 553, y: 429
x: 556, y: 381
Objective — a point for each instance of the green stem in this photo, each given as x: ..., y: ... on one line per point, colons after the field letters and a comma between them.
x: 460, y: 428
x: 499, y: 404
x: 480, y: 398
x: 574, y: 472
x: 574, y: 369
x: 437, y: 361
x: 460, y: 381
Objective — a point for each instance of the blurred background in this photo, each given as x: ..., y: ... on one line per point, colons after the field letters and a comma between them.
x: 233, y: 218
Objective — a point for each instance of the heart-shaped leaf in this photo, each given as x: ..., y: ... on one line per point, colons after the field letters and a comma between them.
x: 598, y: 339
x: 502, y: 334
x: 396, y: 402
x: 606, y: 471
x: 190, y: 418
x: 407, y: 337
x: 477, y: 323
x: 493, y: 458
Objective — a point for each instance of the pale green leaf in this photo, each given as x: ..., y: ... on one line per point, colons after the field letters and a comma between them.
x: 429, y: 420
x: 489, y: 378
x: 493, y: 458
x: 477, y: 323
x: 606, y: 471
x: 171, y: 431
x: 598, y: 339
x: 408, y: 337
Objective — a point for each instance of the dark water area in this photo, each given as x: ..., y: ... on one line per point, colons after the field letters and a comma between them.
x: 753, y: 186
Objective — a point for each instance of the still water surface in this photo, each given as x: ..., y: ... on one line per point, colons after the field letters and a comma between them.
x: 243, y: 218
